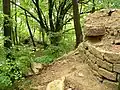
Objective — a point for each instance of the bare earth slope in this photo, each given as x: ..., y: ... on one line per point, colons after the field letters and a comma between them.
x: 78, y: 76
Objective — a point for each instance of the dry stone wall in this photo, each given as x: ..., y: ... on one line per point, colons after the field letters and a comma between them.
x: 101, y: 33
x: 105, y: 65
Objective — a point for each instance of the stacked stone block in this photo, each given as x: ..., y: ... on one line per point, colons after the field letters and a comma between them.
x: 101, y: 32
x: 105, y: 65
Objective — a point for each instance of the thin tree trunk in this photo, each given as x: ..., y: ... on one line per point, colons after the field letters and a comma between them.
x: 12, y: 29
x: 13, y: 36
x: 93, y: 7
x: 7, y: 25
x: 78, y: 29
x: 43, y: 38
x: 30, y: 30
x: 16, y: 36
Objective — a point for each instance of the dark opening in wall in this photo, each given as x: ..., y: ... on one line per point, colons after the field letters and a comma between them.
x: 94, y: 39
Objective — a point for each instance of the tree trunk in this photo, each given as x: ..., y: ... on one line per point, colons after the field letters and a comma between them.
x: 12, y: 29
x: 93, y: 7
x: 7, y: 25
x: 76, y: 17
x: 30, y: 32
x: 55, y: 40
x: 16, y: 36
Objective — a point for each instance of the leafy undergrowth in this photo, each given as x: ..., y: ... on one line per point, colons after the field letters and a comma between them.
x: 13, y: 66
x: 52, y: 52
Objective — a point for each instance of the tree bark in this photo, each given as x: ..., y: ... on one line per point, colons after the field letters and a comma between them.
x: 7, y: 23
x: 16, y: 36
x: 12, y: 29
x: 93, y: 7
x: 30, y: 32
x: 76, y: 17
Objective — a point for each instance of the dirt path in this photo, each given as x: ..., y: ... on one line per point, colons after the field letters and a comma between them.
x: 78, y: 76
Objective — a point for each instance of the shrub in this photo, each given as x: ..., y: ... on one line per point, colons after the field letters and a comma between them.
x: 46, y: 59
x: 14, y: 67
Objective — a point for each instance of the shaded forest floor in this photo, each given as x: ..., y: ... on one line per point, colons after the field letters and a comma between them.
x: 78, y: 76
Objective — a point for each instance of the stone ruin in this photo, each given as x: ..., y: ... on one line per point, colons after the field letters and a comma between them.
x: 101, y: 46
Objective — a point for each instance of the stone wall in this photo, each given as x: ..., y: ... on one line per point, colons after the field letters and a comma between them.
x: 104, y: 65
x: 100, y: 31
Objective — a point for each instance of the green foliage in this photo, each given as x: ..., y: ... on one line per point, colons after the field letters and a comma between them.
x: 5, y: 82
x: 1, y: 18
x: 44, y: 59
x: 49, y: 54
x: 1, y: 21
x: 9, y: 73
x: 101, y: 4
x: 52, y: 52
x: 14, y: 67
x: 107, y: 3
x: 23, y: 57
x: 114, y: 3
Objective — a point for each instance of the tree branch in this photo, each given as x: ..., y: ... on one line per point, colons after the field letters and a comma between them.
x: 83, y: 2
x: 67, y: 30
x: 26, y: 11
x: 51, y: 5
x: 40, y: 16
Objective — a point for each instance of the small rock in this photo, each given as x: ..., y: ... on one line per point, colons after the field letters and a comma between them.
x: 56, y: 84
x: 36, y: 67
x: 36, y: 71
x: 29, y: 73
x: 69, y: 89
x: 117, y: 42
x: 80, y: 74
x: 73, y: 68
x: 94, y: 30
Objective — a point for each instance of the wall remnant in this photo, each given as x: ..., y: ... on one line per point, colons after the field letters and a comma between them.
x: 101, y: 46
